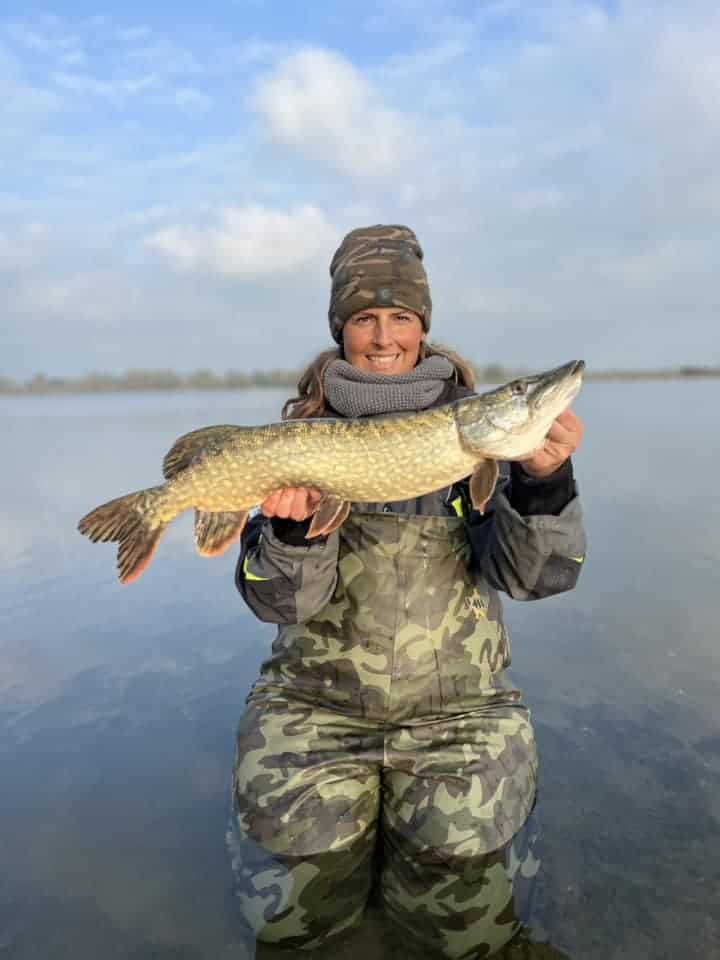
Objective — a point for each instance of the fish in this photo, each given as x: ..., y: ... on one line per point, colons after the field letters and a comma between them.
x: 224, y: 471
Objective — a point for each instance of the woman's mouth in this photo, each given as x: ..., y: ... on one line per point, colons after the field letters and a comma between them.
x: 383, y: 359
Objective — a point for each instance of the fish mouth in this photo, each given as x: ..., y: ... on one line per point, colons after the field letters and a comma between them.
x: 557, y: 387
x: 571, y: 369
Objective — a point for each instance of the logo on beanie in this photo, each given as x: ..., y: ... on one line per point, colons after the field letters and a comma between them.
x: 384, y: 295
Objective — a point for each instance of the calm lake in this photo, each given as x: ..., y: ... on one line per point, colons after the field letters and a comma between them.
x: 118, y: 705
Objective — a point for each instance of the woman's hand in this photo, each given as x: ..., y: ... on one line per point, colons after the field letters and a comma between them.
x: 291, y: 503
x: 562, y: 439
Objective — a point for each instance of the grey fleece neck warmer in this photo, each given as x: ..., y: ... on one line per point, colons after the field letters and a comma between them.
x: 356, y: 393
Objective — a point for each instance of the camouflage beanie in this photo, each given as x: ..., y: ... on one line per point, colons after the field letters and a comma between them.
x: 378, y: 266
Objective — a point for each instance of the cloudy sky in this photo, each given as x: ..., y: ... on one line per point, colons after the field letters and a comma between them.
x: 174, y: 176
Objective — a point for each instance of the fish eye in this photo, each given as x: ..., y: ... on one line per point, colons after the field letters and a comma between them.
x: 518, y: 388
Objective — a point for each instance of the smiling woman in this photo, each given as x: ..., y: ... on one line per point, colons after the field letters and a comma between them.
x: 383, y: 340
x: 380, y: 311
x: 383, y: 743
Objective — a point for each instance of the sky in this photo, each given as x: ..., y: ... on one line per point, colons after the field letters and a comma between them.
x: 174, y: 177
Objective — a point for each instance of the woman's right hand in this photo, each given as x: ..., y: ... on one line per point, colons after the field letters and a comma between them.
x: 292, y: 503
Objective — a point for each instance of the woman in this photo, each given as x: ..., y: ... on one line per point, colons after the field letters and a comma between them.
x: 383, y: 733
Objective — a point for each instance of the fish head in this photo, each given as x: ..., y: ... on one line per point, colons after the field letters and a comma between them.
x: 510, y: 422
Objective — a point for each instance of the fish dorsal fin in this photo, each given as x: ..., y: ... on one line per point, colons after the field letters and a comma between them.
x: 193, y: 446
x: 482, y: 483
x: 214, y: 532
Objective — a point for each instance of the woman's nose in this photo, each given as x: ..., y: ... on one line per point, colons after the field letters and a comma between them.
x: 382, y: 333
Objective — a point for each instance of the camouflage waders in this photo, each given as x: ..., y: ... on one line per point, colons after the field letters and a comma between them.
x: 385, y: 725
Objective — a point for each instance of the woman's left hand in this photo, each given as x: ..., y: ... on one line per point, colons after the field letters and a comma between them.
x: 562, y: 439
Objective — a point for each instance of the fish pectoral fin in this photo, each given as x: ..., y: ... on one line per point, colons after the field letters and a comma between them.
x: 482, y: 483
x: 330, y: 514
x: 214, y: 532
x: 193, y: 446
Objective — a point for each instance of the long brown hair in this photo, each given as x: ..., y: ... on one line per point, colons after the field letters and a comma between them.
x: 310, y: 401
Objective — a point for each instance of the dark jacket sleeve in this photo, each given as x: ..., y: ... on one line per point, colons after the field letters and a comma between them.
x: 283, y: 577
x: 530, y: 542
x: 530, y: 495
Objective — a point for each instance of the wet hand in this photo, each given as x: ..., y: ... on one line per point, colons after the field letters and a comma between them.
x: 291, y: 503
x: 562, y: 439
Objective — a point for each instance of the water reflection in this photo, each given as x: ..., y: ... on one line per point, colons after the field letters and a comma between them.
x: 118, y: 705
x: 123, y: 782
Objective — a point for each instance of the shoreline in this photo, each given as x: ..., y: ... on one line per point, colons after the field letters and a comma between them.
x: 149, y: 381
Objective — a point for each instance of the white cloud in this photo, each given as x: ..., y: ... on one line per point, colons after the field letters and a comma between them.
x: 531, y: 201
x: 133, y: 34
x: 93, y: 298
x: 21, y: 102
x: 121, y: 93
x: 413, y: 66
x: 191, y: 100
x: 250, y: 241
x: 116, y: 66
x: 142, y: 217
x: 252, y: 52
x: 46, y: 35
x: 21, y: 246
x: 643, y: 270
x: 73, y: 58
x: 318, y: 102
x: 163, y: 56
x: 117, y: 92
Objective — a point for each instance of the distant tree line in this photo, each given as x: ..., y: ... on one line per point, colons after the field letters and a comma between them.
x: 138, y: 380
x: 150, y: 380
x: 671, y: 374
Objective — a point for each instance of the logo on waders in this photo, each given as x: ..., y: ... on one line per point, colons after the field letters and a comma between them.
x: 475, y: 604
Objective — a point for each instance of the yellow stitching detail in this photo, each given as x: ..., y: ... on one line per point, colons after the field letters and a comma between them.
x: 246, y: 573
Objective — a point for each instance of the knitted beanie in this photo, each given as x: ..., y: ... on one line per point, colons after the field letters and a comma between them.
x: 379, y: 266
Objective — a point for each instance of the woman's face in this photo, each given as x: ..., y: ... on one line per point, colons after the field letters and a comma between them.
x: 383, y: 340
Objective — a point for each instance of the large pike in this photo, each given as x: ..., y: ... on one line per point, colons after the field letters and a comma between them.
x: 224, y: 471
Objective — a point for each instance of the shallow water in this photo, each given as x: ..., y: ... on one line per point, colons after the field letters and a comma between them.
x: 118, y: 704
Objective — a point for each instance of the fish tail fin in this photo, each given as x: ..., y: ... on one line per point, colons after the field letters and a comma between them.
x: 127, y: 521
x: 214, y: 532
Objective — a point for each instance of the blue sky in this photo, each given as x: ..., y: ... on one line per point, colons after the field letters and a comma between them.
x: 173, y: 181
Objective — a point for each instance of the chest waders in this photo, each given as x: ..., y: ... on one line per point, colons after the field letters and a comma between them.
x: 386, y: 719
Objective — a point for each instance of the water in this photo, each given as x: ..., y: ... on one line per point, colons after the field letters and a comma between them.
x: 118, y: 704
